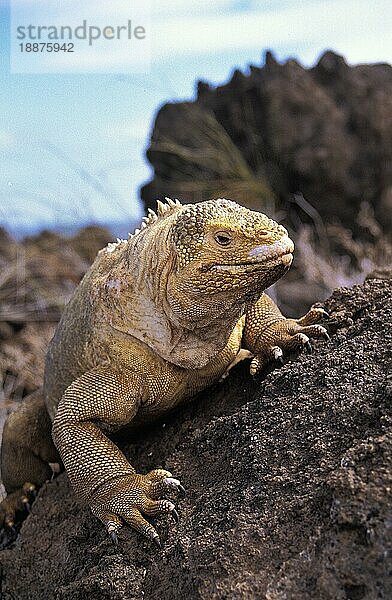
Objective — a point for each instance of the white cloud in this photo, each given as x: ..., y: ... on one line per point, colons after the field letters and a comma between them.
x: 7, y: 139
x: 169, y: 8
x: 357, y: 28
x: 95, y: 10
x: 351, y: 24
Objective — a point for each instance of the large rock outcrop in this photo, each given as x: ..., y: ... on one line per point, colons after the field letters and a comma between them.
x: 289, y: 486
x: 281, y: 130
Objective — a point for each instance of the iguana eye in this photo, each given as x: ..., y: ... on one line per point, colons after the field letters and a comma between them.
x: 222, y: 238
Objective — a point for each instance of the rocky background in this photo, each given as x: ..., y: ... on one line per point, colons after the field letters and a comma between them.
x: 289, y: 476
x: 278, y: 131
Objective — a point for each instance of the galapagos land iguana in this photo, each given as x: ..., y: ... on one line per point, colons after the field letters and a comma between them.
x: 156, y: 318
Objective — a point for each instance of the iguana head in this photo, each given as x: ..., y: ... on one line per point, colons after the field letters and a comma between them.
x: 182, y: 281
x: 226, y: 255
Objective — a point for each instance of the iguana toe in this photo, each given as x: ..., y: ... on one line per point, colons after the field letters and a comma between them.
x: 165, y: 485
x: 301, y: 341
x: 314, y: 315
x: 277, y: 354
x: 316, y: 331
x: 29, y: 494
x: 15, y: 507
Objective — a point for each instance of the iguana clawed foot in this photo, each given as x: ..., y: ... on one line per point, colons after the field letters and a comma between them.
x: 288, y: 335
x: 16, y: 505
x: 131, y: 497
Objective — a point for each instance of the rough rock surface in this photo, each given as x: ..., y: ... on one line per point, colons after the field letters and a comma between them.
x: 325, y: 132
x: 289, y: 486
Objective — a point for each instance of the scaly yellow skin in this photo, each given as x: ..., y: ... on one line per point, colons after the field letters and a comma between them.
x: 156, y: 319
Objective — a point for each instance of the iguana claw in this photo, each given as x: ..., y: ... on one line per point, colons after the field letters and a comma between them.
x: 277, y: 353
x: 175, y: 516
x: 113, y: 537
x: 174, y: 484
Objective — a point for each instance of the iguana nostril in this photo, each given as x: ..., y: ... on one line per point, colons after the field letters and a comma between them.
x: 274, y: 250
x: 286, y: 259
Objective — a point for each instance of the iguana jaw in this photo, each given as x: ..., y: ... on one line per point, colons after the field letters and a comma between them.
x: 284, y: 260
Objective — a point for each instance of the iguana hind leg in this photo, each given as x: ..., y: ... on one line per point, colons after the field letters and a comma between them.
x: 26, y: 451
x: 104, y: 400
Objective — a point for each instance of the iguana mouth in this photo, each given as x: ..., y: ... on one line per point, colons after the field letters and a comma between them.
x: 284, y: 258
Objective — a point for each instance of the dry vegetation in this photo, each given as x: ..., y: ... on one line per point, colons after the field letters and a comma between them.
x: 329, y: 256
x: 37, y: 278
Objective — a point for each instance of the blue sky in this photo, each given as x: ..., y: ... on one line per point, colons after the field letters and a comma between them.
x: 72, y: 146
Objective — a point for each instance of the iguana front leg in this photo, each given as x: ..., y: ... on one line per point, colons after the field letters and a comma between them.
x: 267, y: 333
x: 105, y: 400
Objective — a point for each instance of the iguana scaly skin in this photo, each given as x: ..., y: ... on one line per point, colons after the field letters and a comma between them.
x: 156, y: 319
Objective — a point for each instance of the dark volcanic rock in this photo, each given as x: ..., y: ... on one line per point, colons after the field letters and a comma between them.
x: 289, y: 486
x: 325, y: 132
